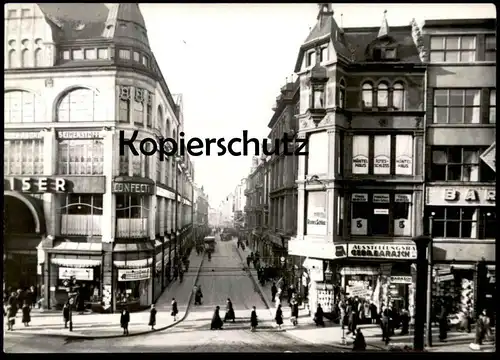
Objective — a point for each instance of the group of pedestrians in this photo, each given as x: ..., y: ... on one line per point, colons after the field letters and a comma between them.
x: 20, y: 299
x: 217, y: 322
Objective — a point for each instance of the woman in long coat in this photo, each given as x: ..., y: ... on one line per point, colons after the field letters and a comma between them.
x: 175, y: 310
x: 318, y: 317
x: 229, y: 312
x: 26, y: 314
x: 253, y: 319
x: 124, y: 320
x: 216, y: 320
x: 279, y: 317
x: 152, y: 317
x: 295, y: 312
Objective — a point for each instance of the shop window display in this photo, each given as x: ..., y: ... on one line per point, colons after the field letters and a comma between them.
x: 456, y: 291
x: 128, y: 292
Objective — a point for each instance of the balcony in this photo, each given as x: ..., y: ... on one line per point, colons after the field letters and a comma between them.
x: 81, y: 225
x: 132, y: 228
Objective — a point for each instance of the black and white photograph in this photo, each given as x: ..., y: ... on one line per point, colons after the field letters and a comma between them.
x: 249, y: 178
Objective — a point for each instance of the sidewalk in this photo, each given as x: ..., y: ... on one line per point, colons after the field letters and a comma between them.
x: 92, y: 325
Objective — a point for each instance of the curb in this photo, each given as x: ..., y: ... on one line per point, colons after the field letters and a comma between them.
x: 257, y: 285
x: 336, y: 346
x: 90, y: 337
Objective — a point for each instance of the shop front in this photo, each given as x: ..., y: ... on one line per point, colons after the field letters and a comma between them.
x: 133, y: 272
x: 86, y: 269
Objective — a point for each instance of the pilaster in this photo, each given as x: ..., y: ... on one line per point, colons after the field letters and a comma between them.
x: 153, y: 208
x: 300, y: 211
x: 50, y: 208
x: 330, y: 214
x: 110, y: 167
x: 332, y: 153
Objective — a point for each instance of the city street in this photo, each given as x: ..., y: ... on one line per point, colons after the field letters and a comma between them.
x: 220, y: 278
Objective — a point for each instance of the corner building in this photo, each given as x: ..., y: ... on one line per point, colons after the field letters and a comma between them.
x: 360, y: 189
x: 460, y: 204
x: 75, y: 76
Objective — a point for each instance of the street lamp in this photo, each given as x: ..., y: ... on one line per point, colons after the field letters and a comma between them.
x: 422, y: 243
x: 429, y: 281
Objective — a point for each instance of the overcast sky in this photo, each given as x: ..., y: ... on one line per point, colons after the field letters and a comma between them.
x: 230, y: 60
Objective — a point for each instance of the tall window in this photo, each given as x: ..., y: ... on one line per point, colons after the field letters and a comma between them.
x: 81, y: 214
x: 23, y: 157
x: 398, y: 97
x: 489, y: 222
x: 77, y: 106
x: 340, y: 215
x: 158, y: 168
x: 374, y: 154
x: 38, y: 57
x: 139, y: 106
x: 139, y: 163
x: 457, y: 106
x: 316, y: 213
x: 324, y: 54
x: 455, y: 222
x: 124, y: 164
x: 493, y: 106
x: 19, y: 107
x: 342, y: 92
x: 132, y: 216
x: 459, y: 164
x: 124, y: 106
x: 454, y: 49
x: 81, y: 157
x: 367, y: 95
x: 160, y: 121
x: 149, y: 110
x: 311, y: 58
x: 317, y: 160
x: 491, y: 48
x: 383, y: 95
x: 381, y: 214
x: 13, y: 59
x: 25, y: 58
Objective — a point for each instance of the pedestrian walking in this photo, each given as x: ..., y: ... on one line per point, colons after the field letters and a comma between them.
x: 274, y: 291
x: 26, y: 314
x: 253, y: 319
x: 66, y: 315
x: 318, y: 316
x: 343, y: 316
x: 198, y: 296
x: 405, y: 322
x: 216, y: 323
x: 373, y: 313
x: 386, y: 318
x: 359, y: 341
x: 11, y: 317
x: 279, y: 317
x: 294, y: 312
x: 229, y: 312
x: 152, y: 317
x: 481, y: 330
x: 175, y: 310
x: 124, y: 320
x: 443, y: 323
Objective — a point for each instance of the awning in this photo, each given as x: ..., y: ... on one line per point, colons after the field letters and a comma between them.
x: 75, y: 263
x: 78, y: 246
x: 355, y: 270
x: 133, y: 247
x: 33, y: 205
x: 133, y: 264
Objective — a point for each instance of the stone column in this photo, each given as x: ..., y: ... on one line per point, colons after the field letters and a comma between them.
x: 111, y: 161
x: 153, y: 208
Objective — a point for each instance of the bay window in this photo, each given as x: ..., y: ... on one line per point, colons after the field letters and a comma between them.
x: 458, y: 163
x: 81, y: 157
x: 317, y: 160
x: 382, y: 154
x: 453, y: 49
x: 381, y: 214
x: 132, y: 216
x: 81, y: 215
x: 316, y: 213
x: 23, y: 157
x: 457, y: 106
x: 139, y: 164
x: 493, y: 107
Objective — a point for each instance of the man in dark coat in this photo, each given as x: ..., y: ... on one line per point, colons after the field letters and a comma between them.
x: 229, y: 312
x: 386, y: 318
x: 279, y: 317
x: 253, y: 319
x: 175, y: 310
x: 152, y: 317
x: 124, y: 320
x: 318, y: 316
x: 198, y: 296
x: 359, y: 342
x: 443, y: 323
x: 66, y: 315
x: 216, y: 320
x: 274, y: 291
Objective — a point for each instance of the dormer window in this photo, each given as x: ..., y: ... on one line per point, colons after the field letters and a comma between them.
x: 311, y: 58
x: 383, y: 53
x: 324, y: 54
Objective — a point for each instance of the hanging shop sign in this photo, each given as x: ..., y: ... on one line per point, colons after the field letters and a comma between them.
x: 35, y: 184
x: 134, y: 274
x: 401, y: 280
x: 73, y: 135
x: 78, y: 273
x: 443, y: 278
x: 460, y: 195
x: 164, y: 193
x: 489, y: 156
x: 383, y: 251
x: 132, y: 188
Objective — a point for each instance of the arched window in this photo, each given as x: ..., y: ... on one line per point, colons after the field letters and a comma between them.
x: 398, y: 97
x: 77, y: 106
x: 13, y: 63
x: 167, y: 128
x: 367, y: 95
x: 342, y: 94
x: 25, y: 58
x: 382, y: 95
x: 38, y: 58
x: 159, y: 120
x: 19, y: 107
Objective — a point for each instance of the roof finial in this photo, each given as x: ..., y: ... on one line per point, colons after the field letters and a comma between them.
x: 384, y: 28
